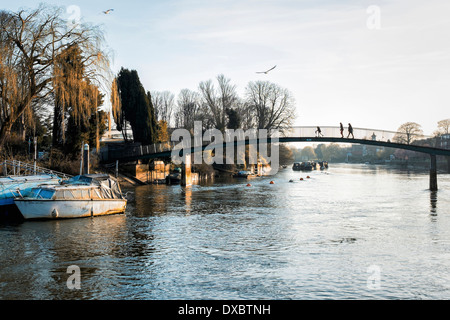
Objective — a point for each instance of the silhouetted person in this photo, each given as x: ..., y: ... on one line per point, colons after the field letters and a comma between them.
x: 350, y: 131
x: 342, y: 130
x: 319, y: 132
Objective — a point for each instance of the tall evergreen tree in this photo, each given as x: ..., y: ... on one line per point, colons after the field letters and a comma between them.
x: 136, y: 106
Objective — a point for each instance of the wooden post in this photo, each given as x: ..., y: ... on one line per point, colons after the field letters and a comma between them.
x: 433, y: 173
x: 35, y: 154
x: 186, y: 177
x: 81, y: 158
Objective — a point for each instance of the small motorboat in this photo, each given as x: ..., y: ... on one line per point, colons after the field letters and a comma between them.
x: 174, y: 177
x: 244, y: 174
x: 80, y: 196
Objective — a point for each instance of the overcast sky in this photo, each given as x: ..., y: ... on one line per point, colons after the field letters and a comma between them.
x: 376, y: 64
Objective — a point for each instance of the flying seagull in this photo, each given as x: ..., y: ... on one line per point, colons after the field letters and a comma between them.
x: 108, y: 11
x: 266, y: 72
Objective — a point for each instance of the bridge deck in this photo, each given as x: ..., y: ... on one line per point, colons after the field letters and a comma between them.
x: 383, y: 138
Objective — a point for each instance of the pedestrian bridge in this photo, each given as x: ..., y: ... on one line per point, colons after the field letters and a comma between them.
x: 376, y: 137
x: 382, y: 138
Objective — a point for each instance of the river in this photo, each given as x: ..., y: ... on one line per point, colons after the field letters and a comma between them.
x: 351, y: 232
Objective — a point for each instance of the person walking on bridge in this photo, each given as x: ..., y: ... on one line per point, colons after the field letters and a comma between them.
x: 342, y: 130
x: 350, y: 131
x: 319, y: 132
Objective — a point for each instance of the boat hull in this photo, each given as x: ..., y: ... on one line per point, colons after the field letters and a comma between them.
x: 69, y: 209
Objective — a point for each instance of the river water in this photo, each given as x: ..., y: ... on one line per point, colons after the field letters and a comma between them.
x: 351, y: 232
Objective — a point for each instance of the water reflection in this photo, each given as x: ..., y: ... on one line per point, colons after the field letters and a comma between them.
x: 433, y: 202
x: 187, y: 193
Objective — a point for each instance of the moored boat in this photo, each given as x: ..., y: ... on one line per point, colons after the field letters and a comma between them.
x: 14, y: 186
x: 323, y: 165
x: 174, y: 177
x: 80, y: 196
x: 244, y: 174
x: 302, y: 166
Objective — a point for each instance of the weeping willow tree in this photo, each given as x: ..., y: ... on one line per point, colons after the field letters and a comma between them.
x: 33, y: 46
x: 76, y: 99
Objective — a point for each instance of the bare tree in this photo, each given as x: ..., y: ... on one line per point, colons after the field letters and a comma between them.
x: 216, y: 101
x: 164, y: 104
x: 443, y: 127
x: 273, y: 106
x: 30, y: 42
x: 246, y: 114
x: 188, y: 107
x: 408, y: 132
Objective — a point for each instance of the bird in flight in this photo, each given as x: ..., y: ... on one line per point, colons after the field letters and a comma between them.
x: 266, y: 72
x: 108, y: 11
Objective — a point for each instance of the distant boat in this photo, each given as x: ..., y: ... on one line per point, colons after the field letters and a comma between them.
x: 323, y: 165
x: 244, y: 174
x: 14, y: 186
x: 302, y: 166
x: 174, y: 177
x: 80, y: 196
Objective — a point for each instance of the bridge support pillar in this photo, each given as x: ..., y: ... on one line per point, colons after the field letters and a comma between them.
x: 433, y: 173
x: 186, y: 177
x: 448, y: 164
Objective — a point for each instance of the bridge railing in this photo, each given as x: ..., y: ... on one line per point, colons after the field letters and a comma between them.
x: 20, y: 168
x: 293, y: 132
x: 358, y: 133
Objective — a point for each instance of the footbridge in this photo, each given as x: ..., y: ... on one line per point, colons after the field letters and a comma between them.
x: 375, y: 137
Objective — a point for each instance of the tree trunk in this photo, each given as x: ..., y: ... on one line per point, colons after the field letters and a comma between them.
x: 5, y: 132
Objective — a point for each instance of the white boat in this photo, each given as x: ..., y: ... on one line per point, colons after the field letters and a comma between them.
x: 78, y: 197
x: 14, y: 186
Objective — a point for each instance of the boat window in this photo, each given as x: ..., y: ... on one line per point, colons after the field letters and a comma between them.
x: 95, y: 194
x: 85, y: 194
x: 34, y: 192
x: 80, y: 194
x: 46, y: 194
x: 68, y: 194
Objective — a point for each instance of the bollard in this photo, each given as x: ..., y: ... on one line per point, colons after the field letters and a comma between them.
x: 86, y: 159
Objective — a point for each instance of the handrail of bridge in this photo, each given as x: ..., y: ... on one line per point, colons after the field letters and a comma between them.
x: 22, y: 168
x: 358, y: 133
x: 293, y: 132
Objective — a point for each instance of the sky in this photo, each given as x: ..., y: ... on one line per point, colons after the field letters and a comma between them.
x: 375, y: 64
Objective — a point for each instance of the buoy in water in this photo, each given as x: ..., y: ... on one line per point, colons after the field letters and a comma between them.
x: 308, y: 177
x: 271, y: 182
x: 301, y: 179
x: 249, y: 185
x: 291, y: 180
